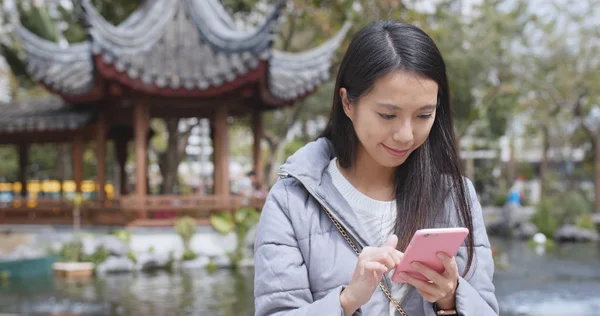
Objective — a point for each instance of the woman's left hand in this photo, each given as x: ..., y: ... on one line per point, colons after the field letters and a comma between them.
x: 442, y: 288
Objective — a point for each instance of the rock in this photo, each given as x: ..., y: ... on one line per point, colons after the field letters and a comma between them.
x: 214, y: 245
x: 248, y: 252
x: 251, y: 237
x: 246, y: 263
x: 150, y: 261
x: 116, y: 264
x: 113, y: 245
x: 596, y: 220
x: 539, y: 238
x: 24, y: 252
x: 198, y: 263
x: 56, y: 246
x: 223, y: 262
x: 525, y: 230
x: 89, y: 245
x: 571, y: 233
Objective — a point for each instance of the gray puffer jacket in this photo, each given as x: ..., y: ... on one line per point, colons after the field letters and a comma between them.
x: 302, y: 262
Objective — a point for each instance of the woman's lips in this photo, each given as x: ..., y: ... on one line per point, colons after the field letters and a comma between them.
x: 395, y: 152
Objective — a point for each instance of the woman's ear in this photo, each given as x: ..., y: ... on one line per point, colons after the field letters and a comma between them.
x: 348, y: 108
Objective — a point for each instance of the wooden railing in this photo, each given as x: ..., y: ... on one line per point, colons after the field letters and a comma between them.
x: 40, y: 210
x: 122, y: 211
x: 39, y: 203
x: 206, y: 203
x: 162, y: 210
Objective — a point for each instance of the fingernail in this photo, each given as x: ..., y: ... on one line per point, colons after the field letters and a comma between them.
x: 402, y: 275
x: 415, y: 265
x: 441, y: 256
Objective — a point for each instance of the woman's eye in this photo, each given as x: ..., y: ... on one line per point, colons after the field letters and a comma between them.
x: 426, y: 116
x: 387, y: 116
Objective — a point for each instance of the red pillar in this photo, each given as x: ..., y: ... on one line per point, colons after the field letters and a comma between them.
x: 23, y: 163
x: 77, y: 149
x: 141, y: 120
x: 221, y: 151
x: 257, y: 128
x: 101, y: 131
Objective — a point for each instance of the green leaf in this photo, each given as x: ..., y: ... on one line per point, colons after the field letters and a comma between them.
x: 222, y: 222
x: 240, y: 216
x: 38, y: 21
x: 17, y: 65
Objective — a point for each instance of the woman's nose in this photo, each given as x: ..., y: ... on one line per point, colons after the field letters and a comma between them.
x: 403, y: 133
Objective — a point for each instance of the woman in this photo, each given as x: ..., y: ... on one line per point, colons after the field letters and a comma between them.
x: 385, y: 166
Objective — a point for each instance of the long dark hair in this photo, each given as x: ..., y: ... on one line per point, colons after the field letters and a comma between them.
x: 432, y: 175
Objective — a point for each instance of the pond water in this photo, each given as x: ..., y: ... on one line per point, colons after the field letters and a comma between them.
x: 562, y: 281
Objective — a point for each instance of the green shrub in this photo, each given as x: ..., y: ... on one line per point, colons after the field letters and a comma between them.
x: 211, y: 266
x: 240, y: 222
x: 188, y: 255
x: 561, y: 209
x: 186, y: 228
x: 544, y: 219
x: 71, y: 251
x: 99, y: 256
x: 585, y: 221
x: 123, y: 235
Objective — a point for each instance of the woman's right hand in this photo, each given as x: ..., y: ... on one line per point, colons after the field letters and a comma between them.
x: 373, y: 263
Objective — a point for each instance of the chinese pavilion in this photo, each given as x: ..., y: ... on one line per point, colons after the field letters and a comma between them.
x: 169, y: 59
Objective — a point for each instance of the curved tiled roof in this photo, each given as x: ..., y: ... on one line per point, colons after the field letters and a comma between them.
x: 42, y: 114
x: 68, y: 70
x: 182, y: 45
x: 167, y: 48
x: 292, y: 75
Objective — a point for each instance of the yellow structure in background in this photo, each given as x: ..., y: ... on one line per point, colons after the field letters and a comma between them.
x: 51, y: 189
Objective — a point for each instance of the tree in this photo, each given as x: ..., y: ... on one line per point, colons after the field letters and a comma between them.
x: 305, y: 24
x: 560, y: 72
x: 169, y: 145
x: 477, y: 50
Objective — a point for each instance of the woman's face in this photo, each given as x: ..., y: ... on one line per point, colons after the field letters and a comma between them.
x: 394, y: 118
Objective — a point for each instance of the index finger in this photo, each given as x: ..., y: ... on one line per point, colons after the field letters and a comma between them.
x: 397, y: 255
x: 427, y: 272
x: 449, y: 263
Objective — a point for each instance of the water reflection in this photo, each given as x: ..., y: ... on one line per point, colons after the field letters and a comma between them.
x: 222, y: 293
x: 562, y: 281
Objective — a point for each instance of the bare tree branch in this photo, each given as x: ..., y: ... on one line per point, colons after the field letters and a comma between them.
x: 287, y: 40
x: 578, y: 112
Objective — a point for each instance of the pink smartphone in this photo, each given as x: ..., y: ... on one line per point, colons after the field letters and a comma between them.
x: 424, y: 247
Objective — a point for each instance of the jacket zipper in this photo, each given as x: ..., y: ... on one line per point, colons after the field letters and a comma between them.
x: 284, y: 174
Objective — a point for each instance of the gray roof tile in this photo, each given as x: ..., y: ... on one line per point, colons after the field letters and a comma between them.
x: 292, y: 75
x: 42, y: 114
x: 68, y: 69
x: 192, y: 44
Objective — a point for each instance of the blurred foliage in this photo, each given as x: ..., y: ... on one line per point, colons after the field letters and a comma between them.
x: 585, y: 221
x: 189, y: 255
x: 526, y: 170
x: 570, y: 207
x: 71, y: 251
x: 292, y: 146
x: 544, y: 218
x: 475, y: 49
x: 239, y: 222
x: 123, y: 235
x: 504, y: 58
x: 186, y: 228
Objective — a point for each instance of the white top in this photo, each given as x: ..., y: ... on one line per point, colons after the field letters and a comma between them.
x: 377, y: 217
